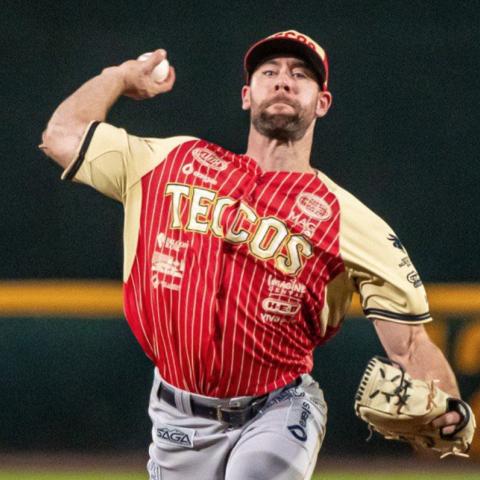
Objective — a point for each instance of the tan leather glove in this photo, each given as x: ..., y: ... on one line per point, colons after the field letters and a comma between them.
x: 401, y: 408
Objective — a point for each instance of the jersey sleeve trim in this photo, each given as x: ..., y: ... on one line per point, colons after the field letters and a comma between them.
x: 73, y: 168
x: 377, y: 313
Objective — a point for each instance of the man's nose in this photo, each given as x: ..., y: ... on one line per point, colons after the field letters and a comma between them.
x: 283, y: 82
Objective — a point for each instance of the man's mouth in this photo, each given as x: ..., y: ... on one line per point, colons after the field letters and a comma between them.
x: 281, y: 101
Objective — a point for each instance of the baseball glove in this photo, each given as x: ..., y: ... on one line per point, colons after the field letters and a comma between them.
x: 401, y: 408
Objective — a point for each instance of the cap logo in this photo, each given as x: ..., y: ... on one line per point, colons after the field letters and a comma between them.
x: 299, y: 37
x: 304, y: 47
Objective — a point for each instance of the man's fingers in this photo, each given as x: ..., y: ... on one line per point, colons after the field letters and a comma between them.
x: 446, y: 420
x: 139, y: 80
x: 448, y: 430
x: 155, y: 58
x: 167, y: 84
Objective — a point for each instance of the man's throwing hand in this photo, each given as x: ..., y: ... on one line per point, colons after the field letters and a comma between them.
x: 137, y: 77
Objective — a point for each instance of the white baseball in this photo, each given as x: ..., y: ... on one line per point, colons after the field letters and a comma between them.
x: 160, y: 72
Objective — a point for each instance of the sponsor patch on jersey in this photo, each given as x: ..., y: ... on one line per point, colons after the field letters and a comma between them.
x: 280, y: 307
x: 306, y: 224
x: 286, y: 287
x: 174, y: 435
x: 313, y: 206
x: 167, y: 265
x: 208, y: 159
x: 167, y: 271
x: 269, y: 318
x: 284, y: 300
x: 170, y: 243
x: 188, y: 169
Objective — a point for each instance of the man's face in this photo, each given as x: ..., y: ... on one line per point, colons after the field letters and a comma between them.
x: 284, y: 98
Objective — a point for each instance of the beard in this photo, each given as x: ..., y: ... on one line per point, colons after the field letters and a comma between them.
x: 284, y: 127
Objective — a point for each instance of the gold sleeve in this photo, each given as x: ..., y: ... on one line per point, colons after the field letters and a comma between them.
x: 111, y: 161
x: 378, y: 265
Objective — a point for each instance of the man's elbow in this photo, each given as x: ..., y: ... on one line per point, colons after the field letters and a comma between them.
x: 59, y: 145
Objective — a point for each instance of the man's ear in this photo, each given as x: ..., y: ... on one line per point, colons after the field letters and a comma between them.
x: 246, y: 97
x: 323, y: 103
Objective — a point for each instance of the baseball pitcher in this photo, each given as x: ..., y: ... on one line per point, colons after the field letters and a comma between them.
x: 236, y: 266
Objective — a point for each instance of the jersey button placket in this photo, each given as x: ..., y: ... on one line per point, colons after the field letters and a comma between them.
x: 227, y: 247
x: 251, y: 196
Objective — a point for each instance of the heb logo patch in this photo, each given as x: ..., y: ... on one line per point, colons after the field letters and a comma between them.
x: 176, y: 435
x: 281, y: 307
x: 313, y: 206
x: 208, y: 159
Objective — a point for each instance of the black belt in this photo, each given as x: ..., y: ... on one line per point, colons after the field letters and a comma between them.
x: 233, y: 416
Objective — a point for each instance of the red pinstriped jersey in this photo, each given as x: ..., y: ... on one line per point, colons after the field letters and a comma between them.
x: 233, y: 275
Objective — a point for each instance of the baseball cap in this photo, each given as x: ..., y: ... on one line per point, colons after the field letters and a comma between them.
x: 289, y: 42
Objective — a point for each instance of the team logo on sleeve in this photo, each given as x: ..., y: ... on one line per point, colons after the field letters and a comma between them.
x: 396, y: 242
x: 406, y: 262
x: 414, y: 278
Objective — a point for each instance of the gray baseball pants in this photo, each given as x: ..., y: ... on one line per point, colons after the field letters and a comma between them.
x: 280, y: 443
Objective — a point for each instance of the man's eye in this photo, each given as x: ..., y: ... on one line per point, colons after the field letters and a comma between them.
x: 298, y: 75
x: 268, y: 73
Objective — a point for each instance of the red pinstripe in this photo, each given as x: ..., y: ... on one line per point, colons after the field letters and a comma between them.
x: 206, y: 328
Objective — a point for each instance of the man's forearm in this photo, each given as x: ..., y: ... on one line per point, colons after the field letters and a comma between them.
x: 412, y: 348
x: 426, y: 361
x: 92, y: 101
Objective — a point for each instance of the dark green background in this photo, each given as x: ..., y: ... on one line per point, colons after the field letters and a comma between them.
x: 63, y: 390
x: 402, y: 134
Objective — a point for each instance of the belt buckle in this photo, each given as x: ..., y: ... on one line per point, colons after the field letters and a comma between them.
x: 233, y: 416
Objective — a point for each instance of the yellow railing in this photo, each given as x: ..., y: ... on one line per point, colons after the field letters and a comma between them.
x: 102, y: 298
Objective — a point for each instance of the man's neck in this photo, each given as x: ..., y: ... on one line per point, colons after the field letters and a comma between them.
x: 272, y: 154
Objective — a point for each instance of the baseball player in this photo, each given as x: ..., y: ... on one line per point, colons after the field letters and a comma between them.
x: 236, y: 266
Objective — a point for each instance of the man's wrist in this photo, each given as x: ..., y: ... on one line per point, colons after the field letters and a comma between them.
x: 116, y: 76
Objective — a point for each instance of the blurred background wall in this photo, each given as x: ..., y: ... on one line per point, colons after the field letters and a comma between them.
x: 82, y: 384
x: 402, y: 135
